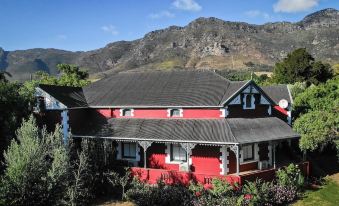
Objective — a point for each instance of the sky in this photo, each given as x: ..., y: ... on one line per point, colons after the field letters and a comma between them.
x: 82, y: 25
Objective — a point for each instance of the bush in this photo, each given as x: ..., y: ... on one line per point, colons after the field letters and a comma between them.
x: 290, y: 177
x: 281, y: 195
x: 256, y: 193
x: 160, y: 194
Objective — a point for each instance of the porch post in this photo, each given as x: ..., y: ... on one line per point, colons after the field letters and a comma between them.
x: 274, y: 145
x: 235, y: 149
x: 145, y: 145
x: 188, y: 147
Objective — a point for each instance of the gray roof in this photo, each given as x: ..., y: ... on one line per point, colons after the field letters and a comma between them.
x: 209, y: 131
x: 184, y: 88
x: 161, y: 88
x: 278, y: 92
x: 69, y: 96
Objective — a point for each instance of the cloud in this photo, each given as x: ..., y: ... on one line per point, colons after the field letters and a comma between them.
x: 292, y: 6
x: 257, y: 13
x: 110, y: 29
x: 165, y: 14
x: 62, y: 36
x: 187, y: 5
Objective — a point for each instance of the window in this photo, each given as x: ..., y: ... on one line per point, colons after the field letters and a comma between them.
x: 248, y: 152
x: 127, y: 113
x: 128, y: 150
x: 175, y: 112
x: 178, y: 153
x: 248, y: 101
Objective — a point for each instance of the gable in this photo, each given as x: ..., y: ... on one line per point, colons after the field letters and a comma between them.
x: 249, y: 88
x: 47, y: 101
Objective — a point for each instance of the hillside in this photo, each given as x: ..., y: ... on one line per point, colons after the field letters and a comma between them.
x: 203, y: 43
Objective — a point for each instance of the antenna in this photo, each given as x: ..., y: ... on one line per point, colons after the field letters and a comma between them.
x: 251, y: 75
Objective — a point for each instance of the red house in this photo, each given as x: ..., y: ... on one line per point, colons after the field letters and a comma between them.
x: 180, y: 125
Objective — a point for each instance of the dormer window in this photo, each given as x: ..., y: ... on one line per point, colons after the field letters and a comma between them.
x: 248, y: 101
x: 174, y: 112
x: 126, y: 112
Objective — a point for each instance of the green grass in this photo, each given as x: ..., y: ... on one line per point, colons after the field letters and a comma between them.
x: 327, y: 195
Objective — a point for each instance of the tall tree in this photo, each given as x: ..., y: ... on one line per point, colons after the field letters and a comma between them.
x: 300, y: 66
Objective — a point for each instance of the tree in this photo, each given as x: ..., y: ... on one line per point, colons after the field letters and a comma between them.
x: 14, y: 106
x: 36, y: 167
x: 318, y: 108
x: 71, y: 75
x: 299, y: 66
x: 3, y: 75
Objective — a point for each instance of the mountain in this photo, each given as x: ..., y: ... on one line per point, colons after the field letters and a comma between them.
x: 203, y: 43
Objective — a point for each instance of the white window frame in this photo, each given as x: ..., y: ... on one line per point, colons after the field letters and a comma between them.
x: 244, y: 151
x: 182, y: 152
x: 122, y: 111
x: 169, y: 112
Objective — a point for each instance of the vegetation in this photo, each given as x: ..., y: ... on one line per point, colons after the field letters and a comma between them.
x: 300, y: 66
x: 327, y: 194
x: 317, y: 108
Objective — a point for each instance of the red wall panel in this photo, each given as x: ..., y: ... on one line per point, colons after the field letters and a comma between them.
x: 206, y: 160
x: 162, y: 113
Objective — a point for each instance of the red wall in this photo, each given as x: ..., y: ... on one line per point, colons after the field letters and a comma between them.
x: 205, y: 159
x: 162, y: 113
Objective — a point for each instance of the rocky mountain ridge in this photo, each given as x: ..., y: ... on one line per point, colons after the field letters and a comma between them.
x: 203, y: 43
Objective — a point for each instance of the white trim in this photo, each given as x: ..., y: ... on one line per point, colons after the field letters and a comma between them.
x: 168, y: 156
x: 289, y: 93
x: 168, y: 153
x: 159, y: 140
x: 223, y: 112
x: 269, y: 110
x: 252, y: 102
x: 181, y: 111
x: 269, y: 147
x: 224, y: 160
x: 122, y: 112
x: 255, y: 152
x: 248, y: 162
x: 289, y: 117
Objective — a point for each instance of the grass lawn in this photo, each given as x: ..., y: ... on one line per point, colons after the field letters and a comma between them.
x: 327, y: 195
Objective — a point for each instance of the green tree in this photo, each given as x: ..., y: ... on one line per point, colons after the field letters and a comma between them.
x: 71, y: 75
x: 36, y: 167
x: 318, y: 108
x: 13, y: 107
x: 300, y: 66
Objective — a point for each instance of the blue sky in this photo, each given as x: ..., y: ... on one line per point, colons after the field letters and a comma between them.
x: 81, y: 25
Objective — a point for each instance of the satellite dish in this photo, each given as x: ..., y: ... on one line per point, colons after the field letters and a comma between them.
x: 283, y: 103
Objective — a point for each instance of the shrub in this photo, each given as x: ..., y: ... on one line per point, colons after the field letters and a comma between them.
x: 160, y: 194
x: 290, y: 176
x: 78, y: 191
x: 282, y: 195
x: 221, y: 187
x: 119, y: 180
x: 256, y: 193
